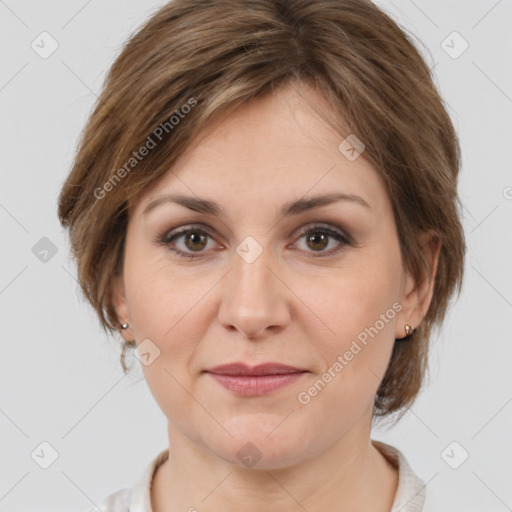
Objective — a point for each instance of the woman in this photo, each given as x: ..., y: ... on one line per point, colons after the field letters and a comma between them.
x: 264, y: 203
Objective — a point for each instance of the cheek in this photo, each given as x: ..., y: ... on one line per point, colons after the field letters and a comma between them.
x: 355, y: 357
x: 157, y: 293
x: 349, y: 299
x: 166, y: 307
x: 171, y: 318
x: 358, y: 307
x: 168, y: 311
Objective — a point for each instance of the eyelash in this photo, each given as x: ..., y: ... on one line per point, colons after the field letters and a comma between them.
x: 168, y: 237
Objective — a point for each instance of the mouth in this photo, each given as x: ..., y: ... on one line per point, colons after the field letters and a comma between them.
x: 256, y: 380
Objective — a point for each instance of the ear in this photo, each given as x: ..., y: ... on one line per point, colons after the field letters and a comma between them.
x: 418, y: 293
x: 121, y: 306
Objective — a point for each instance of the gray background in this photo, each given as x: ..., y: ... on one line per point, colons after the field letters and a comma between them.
x: 61, y: 381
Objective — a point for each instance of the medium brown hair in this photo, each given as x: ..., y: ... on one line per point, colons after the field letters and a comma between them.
x: 194, y: 59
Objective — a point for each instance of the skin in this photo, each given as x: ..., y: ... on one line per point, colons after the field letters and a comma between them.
x: 287, y: 306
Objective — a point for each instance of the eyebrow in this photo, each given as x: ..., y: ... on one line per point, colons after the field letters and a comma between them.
x: 297, y: 207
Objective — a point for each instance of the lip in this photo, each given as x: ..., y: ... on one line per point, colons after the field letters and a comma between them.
x: 260, y: 369
x: 256, y: 380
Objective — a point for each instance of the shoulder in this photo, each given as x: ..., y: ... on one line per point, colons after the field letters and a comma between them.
x: 411, y: 492
x: 137, y: 497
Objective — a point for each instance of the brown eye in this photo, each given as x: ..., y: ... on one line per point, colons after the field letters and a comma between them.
x: 317, y: 238
x: 318, y: 241
x: 192, y: 240
x: 195, y: 241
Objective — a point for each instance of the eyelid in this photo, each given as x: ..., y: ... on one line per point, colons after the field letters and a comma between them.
x: 343, y: 239
x: 328, y: 227
x: 167, y: 235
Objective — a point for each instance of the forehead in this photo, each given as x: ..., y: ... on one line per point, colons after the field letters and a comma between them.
x: 272, y: 149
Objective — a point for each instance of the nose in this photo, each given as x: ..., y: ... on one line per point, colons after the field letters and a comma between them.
x: 254, y: 299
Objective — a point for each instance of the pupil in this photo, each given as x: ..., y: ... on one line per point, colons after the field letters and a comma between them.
x: 314, y: 239
x: 194, y: 237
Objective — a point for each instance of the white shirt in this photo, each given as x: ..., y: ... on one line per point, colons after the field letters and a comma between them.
x: 410, y: 495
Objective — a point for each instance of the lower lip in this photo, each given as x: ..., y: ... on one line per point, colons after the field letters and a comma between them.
x: 256, y: 385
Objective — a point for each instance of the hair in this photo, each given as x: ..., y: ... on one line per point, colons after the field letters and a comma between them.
x: 196, y: 59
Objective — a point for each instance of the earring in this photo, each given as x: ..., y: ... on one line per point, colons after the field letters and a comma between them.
x: 125, y: 326
x: 409, y: 329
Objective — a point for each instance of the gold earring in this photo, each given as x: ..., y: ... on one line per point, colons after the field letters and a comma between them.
x: 409, y: 329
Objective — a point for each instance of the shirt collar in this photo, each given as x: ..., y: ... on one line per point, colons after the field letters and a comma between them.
x: 410, y: 494
x: 140, y: 499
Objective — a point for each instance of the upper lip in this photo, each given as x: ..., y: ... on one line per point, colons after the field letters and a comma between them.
x: 261, y: 369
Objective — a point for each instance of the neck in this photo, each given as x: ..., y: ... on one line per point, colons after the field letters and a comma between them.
x: 351, y: 475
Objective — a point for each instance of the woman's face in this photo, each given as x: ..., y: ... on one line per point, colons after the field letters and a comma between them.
x: 271, y: 277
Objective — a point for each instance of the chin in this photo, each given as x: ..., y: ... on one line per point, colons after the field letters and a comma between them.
x: 256, y: 446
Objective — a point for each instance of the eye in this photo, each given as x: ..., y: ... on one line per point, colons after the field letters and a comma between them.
x: 194, y: 240
x: 317, y: 238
